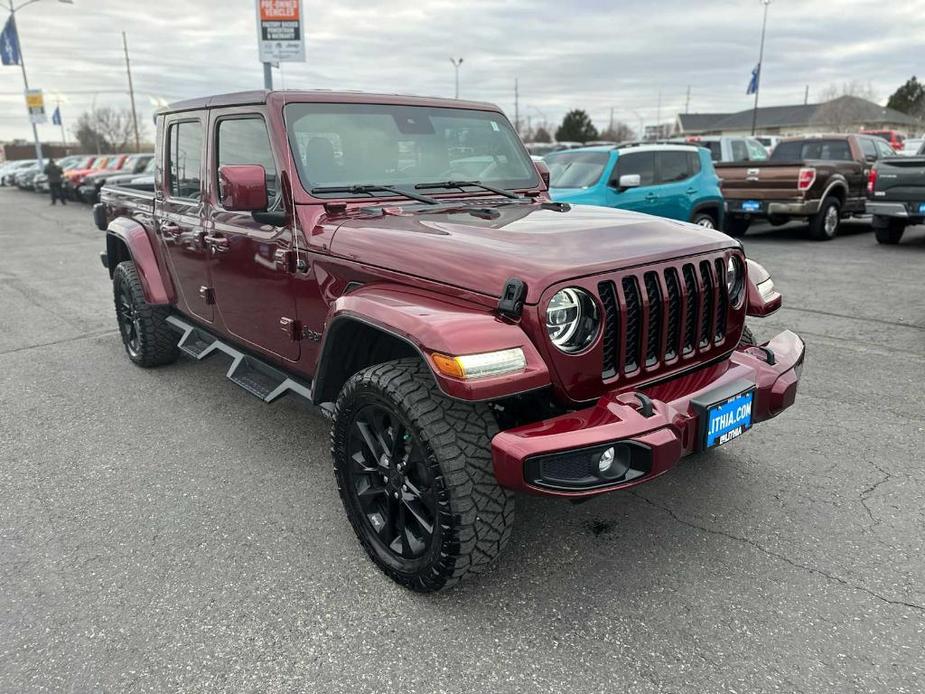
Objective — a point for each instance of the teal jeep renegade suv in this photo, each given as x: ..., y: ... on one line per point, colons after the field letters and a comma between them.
x: 673, y: 181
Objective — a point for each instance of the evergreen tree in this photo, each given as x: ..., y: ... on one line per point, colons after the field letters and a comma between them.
x: 576, y: 127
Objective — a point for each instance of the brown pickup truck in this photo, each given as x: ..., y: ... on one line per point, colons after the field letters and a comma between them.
x: 821, y: 179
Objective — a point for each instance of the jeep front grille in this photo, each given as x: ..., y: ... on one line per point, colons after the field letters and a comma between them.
x: 655, y: 318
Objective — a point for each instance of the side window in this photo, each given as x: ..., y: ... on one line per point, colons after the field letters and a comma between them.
x: 716, y: 150
x: 673, y: 166
x: 245, y: 141
x: 693, y: 159
x: 756, y: 151
x: 868, y: 147
x: 739, y: 150
x: 642, y: 163
x: 884, y: 150
x: 184, y: 163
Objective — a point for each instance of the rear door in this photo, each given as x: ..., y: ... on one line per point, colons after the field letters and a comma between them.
x: 180, y: 212
x: 250, y: 264
x: 676, y: 188
x: 643, y: 198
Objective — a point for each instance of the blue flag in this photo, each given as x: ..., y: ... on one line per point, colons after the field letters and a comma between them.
x: 56, y: 116
x: 9, y: 43
x: 753, y: 83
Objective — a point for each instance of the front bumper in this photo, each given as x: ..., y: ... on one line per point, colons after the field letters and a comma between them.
x: 659, y: 437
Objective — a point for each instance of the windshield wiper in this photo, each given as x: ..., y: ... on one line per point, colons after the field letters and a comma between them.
x: 472, y: 184
x: 370, y: 188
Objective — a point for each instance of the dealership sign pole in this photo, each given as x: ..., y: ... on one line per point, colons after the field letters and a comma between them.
x: 280, y: 36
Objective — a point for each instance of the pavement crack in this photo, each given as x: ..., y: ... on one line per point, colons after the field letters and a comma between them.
x: 776, y: 555
x: 863, y: 319
x: 868, y: 492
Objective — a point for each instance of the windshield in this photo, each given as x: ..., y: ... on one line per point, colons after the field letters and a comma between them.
x: 575, y: 169
x: 355, y: 144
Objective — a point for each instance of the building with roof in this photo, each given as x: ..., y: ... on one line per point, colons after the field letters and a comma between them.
x: 844, y: 114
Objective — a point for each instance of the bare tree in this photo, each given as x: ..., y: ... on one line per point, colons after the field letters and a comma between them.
x: 839, y: 110
x: 619, y: 132
x: 107, y: 130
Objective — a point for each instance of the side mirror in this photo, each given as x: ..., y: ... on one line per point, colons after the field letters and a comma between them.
x: 871, y: 158
x: 543, y: 171
x: 629, y: 181
x: 243, y: 188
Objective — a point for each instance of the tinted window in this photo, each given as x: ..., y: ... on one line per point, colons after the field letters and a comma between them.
x: 868, y: 147
x: 798, y: 150
x: 739, y: 151
x: 245, y: 141
x: 642, y: 163
x: 694, y: 162
x: 184, y: 160
x: 576, y: 169
x: 673, y: 166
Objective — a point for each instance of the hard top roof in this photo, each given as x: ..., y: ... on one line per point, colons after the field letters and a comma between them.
x: 262, y: 96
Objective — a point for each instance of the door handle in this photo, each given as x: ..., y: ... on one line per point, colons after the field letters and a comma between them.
x: 691, y: 191
x: 651, y: 197
x: 218, y: 244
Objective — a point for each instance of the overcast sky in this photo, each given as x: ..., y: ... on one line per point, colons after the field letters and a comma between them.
x: 580, y: 54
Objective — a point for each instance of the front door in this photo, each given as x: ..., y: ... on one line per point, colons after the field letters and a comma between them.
x: 180, y: 215
x: 251, y: 262
x: 643, y: 198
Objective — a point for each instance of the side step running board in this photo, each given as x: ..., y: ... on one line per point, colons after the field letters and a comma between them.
x: 255, y: 376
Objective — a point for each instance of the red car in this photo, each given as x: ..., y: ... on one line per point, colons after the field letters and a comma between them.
x: 397, y: 262
x: 74, y: 178
x: 897, y: 140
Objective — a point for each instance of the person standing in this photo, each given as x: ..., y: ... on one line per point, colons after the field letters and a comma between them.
x: 54, y: 172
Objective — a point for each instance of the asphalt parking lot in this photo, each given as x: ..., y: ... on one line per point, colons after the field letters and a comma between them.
x: 161, y: 530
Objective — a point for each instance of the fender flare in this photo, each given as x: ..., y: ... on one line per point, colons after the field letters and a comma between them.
x: 136, y: 244
x: 711, y: 204
x: 429, y: 324
x: 838, y: 182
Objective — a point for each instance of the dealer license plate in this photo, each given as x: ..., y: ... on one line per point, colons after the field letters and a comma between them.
x: 728, y: 419
x: 751, y: 206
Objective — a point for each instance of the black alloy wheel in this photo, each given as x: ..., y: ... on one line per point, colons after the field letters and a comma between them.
x: 390, y: 479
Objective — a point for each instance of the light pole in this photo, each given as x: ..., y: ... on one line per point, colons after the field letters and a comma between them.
x: 764, y: 25
x: 22, y: 63
x: 456, y: 63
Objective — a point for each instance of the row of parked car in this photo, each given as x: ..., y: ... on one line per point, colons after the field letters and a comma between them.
x: 729, y: 183
x: 84, y: 174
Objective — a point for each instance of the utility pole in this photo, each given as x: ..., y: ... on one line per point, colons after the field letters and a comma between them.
x: 131, y: 92
x: 806, y: 96
x: 610, y: 126
x: 687, y: 100
x: 456, y: 63
x: 516, y: 109
x: 764, y: 25
x: 268, y: 76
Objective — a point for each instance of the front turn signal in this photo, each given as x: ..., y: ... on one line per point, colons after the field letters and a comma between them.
x: 469, y: 366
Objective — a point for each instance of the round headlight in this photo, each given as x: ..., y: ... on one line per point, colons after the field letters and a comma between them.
x: 572, y: 320
x: 735, y: 281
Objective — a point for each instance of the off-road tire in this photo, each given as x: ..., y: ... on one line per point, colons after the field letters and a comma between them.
x: 474, y: 514
x: 156, y: 342
x: 891, y: 232
x: 821, y: 226
x: 748, y: 338
x: 737, y: 227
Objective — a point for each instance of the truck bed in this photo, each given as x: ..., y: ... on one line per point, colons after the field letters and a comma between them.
x: 900, y: 179
x: 764, y: 180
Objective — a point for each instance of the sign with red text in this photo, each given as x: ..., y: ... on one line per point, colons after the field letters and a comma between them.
x: 279, y: 31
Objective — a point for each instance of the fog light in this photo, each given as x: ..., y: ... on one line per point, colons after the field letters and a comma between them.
x: 606, y: 461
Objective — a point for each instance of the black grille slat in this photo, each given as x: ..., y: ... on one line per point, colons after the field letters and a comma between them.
x: 693, y: 301
x: 633, y: 321
x: 611, y: 339
x: 722, y: 302
x: 653, y: 317
x: 674, y: 313
x: 706, y: 314
x: 654, y: 331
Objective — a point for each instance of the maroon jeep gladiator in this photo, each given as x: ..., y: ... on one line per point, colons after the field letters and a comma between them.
x: 397, y: 262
